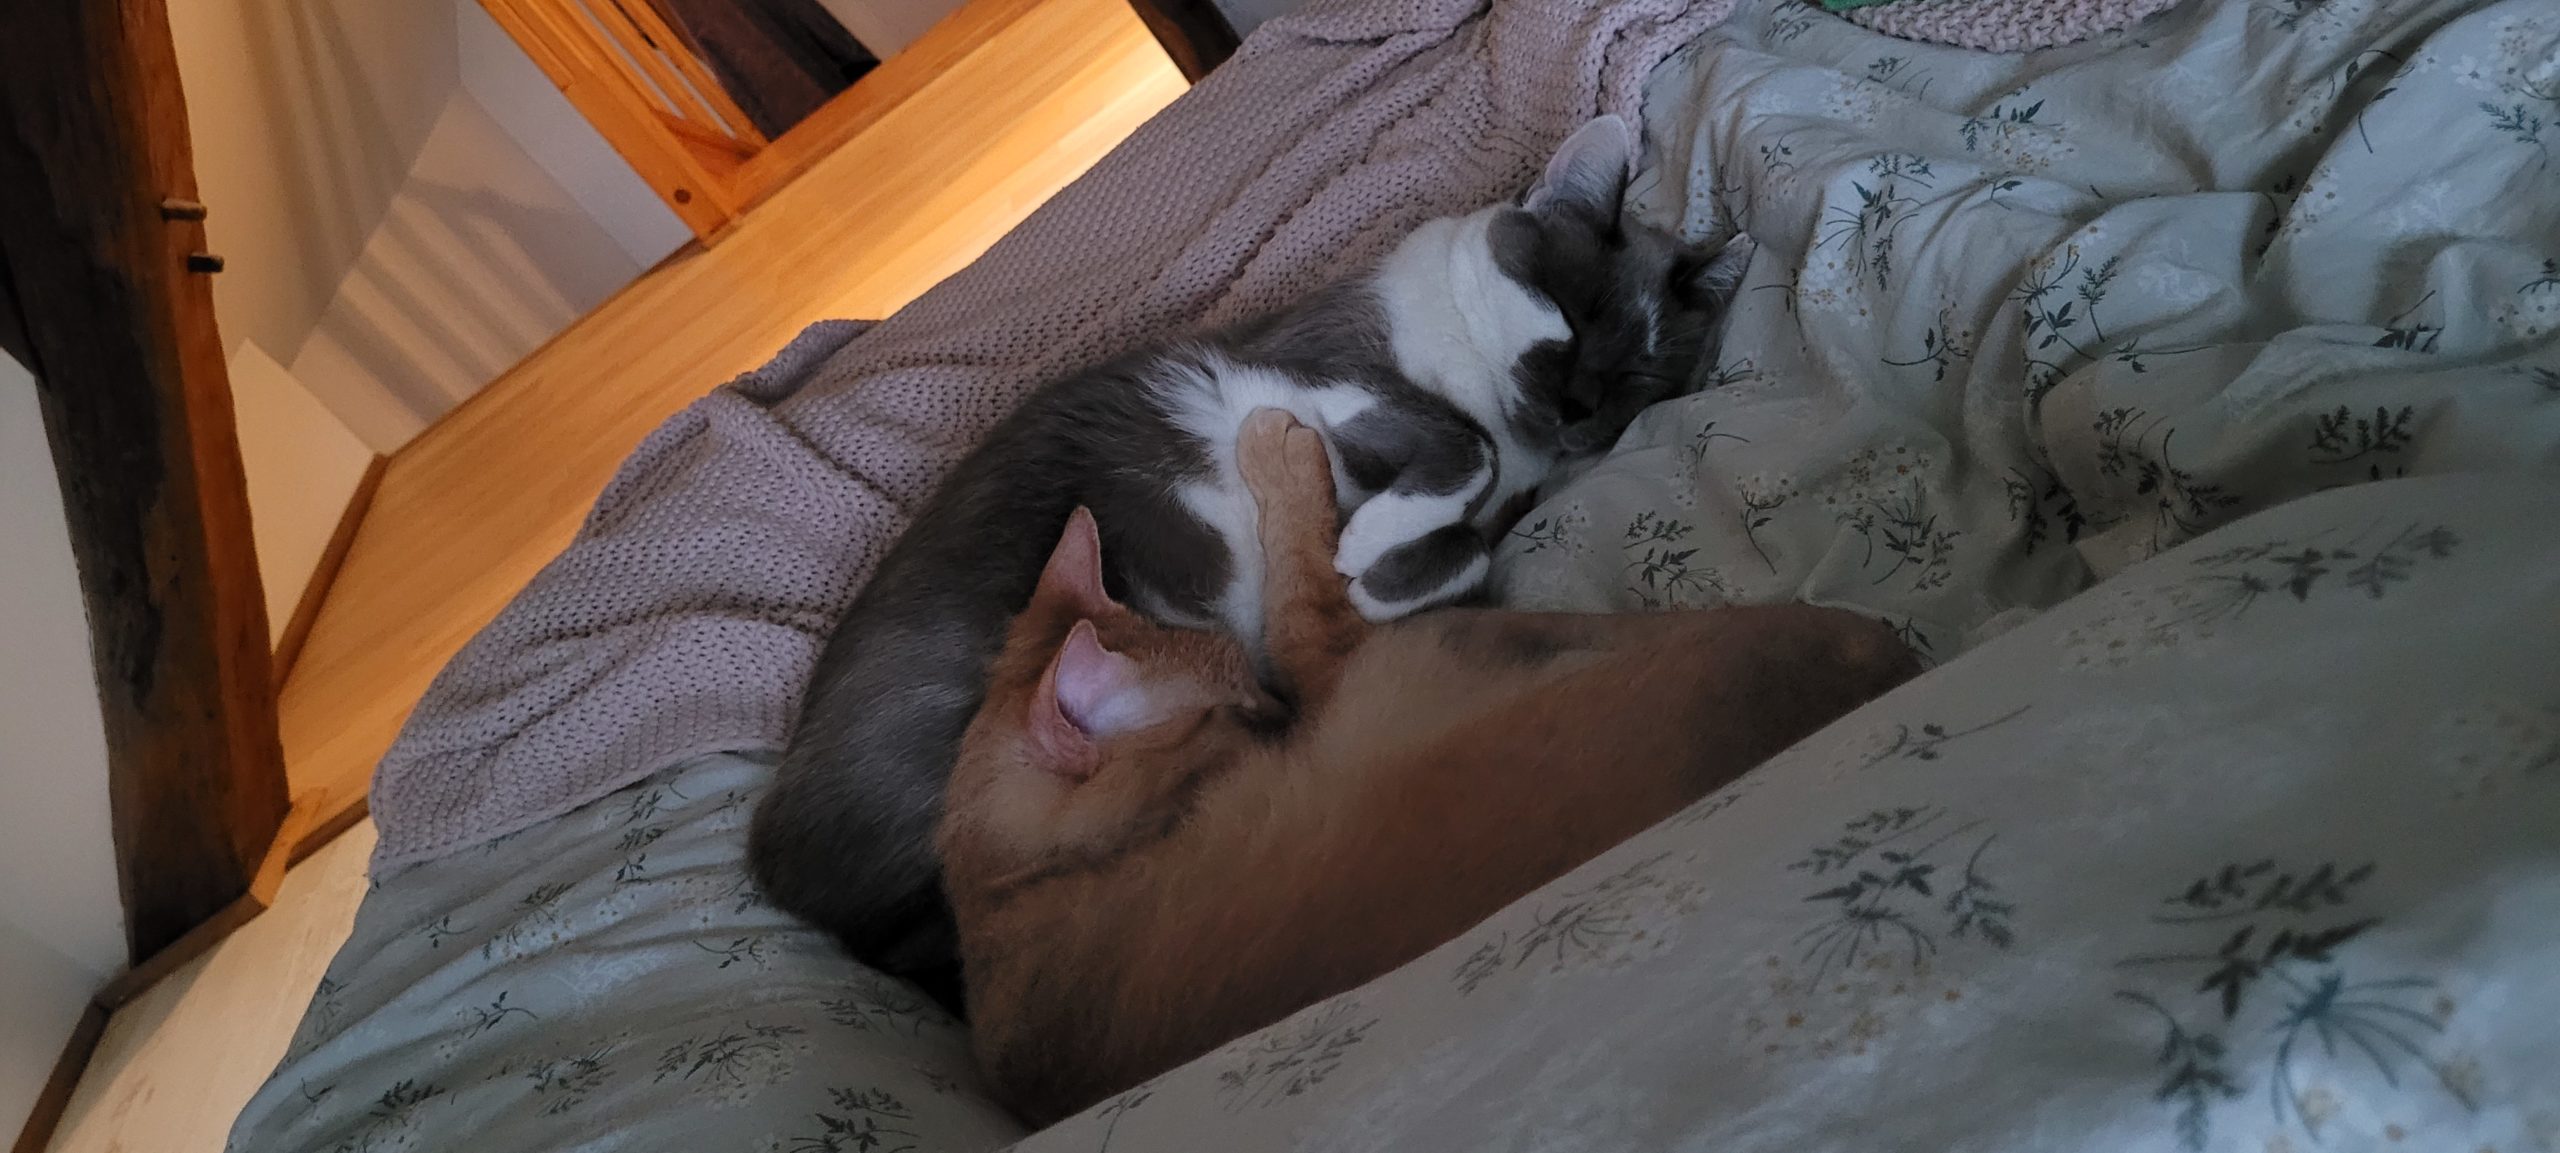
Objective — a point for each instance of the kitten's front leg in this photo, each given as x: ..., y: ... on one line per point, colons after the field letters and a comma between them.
x: 1413, y: 546
x: 1309, y: 624
x: 1447, y: 564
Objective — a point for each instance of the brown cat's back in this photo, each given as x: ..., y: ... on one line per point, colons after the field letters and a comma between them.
x: 1147, y: 855
x: 1468, y: 758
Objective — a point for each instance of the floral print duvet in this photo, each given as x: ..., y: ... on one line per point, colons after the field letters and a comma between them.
x: 2189, y: 397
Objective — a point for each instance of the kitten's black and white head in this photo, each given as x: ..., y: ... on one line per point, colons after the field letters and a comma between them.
x: 1639, y: 302
x: 1557, y: 313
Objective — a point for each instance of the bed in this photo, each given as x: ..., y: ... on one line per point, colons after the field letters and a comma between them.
x: 2189, y: 396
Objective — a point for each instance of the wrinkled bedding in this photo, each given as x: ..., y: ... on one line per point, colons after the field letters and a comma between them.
x: 2018, y: 322
x: 2248, y: 845
x: 612, y: 980
x: 2252, y: 848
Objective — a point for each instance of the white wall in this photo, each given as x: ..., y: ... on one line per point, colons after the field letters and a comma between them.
x: 385, y: 237
x: 303, y: 466
x: 481, y: 258
x: 524, y: 102
x: 306, y: 116
x: 362, y: 212
x: 61, y: 918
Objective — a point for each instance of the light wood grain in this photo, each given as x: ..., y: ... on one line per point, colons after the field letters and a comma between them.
x: 638, y: 80
x: 315, y: 591
x: 592, y: 77
x: 468, y: 512
x: 849, y: 112
x: 678, y: 72
x: 178, y: 1062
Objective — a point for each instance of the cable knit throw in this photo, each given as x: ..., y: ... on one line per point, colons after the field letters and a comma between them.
x: 2003, y: 25
x: 685, y: 616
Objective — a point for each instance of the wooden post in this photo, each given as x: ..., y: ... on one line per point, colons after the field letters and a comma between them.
x: 129, y: 371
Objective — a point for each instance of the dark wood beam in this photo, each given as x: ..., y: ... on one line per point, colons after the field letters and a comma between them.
x: 97, y: 228
x: 13, y: 330
x: 1193, y: 32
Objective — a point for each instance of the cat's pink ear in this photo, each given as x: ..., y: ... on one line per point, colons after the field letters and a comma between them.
x: 1088, y: 692
x: 1100, y: 692
x: 1073, y: 579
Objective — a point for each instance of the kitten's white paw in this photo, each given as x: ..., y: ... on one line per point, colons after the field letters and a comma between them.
x: 1391, y: 519
x: 1372, y: 609
x: 1377, y: 611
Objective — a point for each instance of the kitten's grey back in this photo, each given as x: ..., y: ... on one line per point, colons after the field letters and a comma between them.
x: 1425, y: 446
x: 844, y: 836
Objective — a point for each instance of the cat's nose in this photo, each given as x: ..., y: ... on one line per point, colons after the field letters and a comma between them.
x: 1583, y: 439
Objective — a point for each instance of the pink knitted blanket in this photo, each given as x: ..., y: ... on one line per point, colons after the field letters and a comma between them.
x: 2005, y: 25
x: 685, y: 616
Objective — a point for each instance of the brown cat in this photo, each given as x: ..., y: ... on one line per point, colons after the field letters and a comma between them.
x: 1148, y: 854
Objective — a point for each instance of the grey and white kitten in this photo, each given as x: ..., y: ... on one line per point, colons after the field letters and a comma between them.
x: 1482, y: 353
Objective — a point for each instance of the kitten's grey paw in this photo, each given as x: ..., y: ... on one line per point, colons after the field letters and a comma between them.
x: 1392, y: 520
x: 1446, y: 565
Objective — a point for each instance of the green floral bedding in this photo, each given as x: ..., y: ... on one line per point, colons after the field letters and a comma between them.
x: 2251, y: 846
x: 612, y: 980
x: 2256, y: 847
x: 2017, y: 322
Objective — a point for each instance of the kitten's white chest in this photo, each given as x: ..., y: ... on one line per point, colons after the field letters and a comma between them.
x: 1211, y: 404
x: 1458, y: 325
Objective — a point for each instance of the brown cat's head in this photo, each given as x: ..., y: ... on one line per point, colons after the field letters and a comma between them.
x: 1096, y: 726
